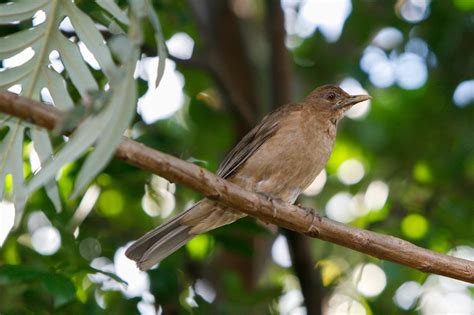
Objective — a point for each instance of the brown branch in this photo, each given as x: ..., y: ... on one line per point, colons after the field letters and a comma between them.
x: 258, y: 206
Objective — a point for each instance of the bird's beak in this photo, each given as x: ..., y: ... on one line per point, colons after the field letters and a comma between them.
x: 351, y: 100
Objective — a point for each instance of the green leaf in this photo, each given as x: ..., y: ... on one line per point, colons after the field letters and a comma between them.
x: 43, y: 147
x: 119, y: 112
x: 10, y: 148
x: 60, y: 287
x: 78, y: 71
x: 160, y: 41
x: 79, y: 141
x: 14, y: 44
x: 20, y: 10
x: 88, y: 33
x: 111, y: 7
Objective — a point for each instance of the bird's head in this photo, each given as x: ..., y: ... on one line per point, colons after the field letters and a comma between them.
x: 332, y: 101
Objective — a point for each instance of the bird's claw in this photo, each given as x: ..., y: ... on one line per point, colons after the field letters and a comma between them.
x: 314, y: 214
x: 270, y: 198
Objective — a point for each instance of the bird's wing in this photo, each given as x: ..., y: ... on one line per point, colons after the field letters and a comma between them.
x: 251, y: 142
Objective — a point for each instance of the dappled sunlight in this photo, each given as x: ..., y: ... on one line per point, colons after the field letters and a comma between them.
x: 290, y: 303
x: 369, y: 279
x: 88, y: 56
x: 204, y: 289
x: 344, y: 304
x: 46, y: 240
x: 413, y: 11
x: 464, y: 93
x: 386, y: 66
x: 376, y: 195
x: 180, y: 45
x: 317, y: 185
x: 19, y: 59
x: 138, y: 281
x: 345, y: 207
x: 350, y: 172
x: 438, y: 294
x: 90, y: 248
x: 340, y: 208
x: 388, y: 38
x: 7, y: 218
x: 159, y: 197
x: 164, y: 101
x: 328, y: 16
x: 407, y: 294
x: 280, y: 252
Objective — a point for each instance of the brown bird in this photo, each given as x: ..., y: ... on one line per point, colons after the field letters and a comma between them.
x: 280, y: 157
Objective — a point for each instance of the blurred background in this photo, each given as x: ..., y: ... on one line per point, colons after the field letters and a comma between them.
x: 403, y: 165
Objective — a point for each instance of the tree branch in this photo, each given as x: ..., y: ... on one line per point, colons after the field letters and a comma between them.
x: 271, y: 211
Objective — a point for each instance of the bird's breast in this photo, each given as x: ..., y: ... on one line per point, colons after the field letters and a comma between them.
x: 287, y: 162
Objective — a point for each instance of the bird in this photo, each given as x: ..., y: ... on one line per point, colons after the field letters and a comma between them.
x: 280, y: 157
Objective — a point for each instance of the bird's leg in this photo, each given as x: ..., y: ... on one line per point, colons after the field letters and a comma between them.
x: 270, y: 198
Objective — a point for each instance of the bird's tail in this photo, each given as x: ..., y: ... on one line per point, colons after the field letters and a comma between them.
x: 164, y: 240
x: 160, y: 242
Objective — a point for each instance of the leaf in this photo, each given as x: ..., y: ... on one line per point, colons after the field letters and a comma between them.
x: 60, y: 287
x: 20, y: 10
x: 79, y: 141
x: 109, y: 274
x: 10, y: 147
x: 121, y: 110
x: 160, y: 41
x: 111, y: 7
x: 36, y: 74
x: 88, y: 33
x: 12, y: 45
x: 43, y: 147
x: 78, y: 71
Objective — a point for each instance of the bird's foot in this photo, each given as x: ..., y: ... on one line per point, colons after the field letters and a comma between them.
x: 314, y: 214
x: 270, y: 198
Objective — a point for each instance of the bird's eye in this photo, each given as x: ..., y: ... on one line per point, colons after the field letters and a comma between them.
x: 331, y: 96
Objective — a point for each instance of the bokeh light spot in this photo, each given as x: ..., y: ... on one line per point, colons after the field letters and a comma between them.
x: 376, y: 195
x: 163, y: 101
x: 464, y: 93
x: 407, y: 294
x: 388, y: 38
x: 414, y: 226
x: 369, y: 279
x: 180, y: 45
x: 411, y: 71
x: 343, y: 304
x: 89, y: 248
x: 350, y: 172
x: 340, y: 208
x: 317, y: 185
x: 111, y: 203
x: 413, y: 11
x: 46, y: 240
x: 280, y: 252
x: 422, y: 172
x: 327, y: 15
x: 7, y: 218
x: 200, y: 246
